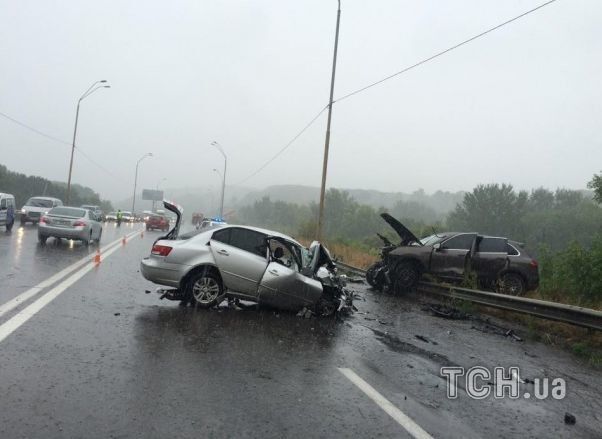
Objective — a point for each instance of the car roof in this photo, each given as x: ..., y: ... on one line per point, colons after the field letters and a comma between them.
x: 41, y: 197
x: 264, y: 231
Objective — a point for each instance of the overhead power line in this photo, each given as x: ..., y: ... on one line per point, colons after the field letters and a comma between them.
x: 57, y: 140
x: 449, y: 49
x: 284, y: 148
x: 406, y: 69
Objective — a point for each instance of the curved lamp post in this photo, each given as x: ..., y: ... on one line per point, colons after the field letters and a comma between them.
x: 148, y: 154
x: 92, y: 89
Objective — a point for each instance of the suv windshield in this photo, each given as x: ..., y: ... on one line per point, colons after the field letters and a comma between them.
x: 39, y: 202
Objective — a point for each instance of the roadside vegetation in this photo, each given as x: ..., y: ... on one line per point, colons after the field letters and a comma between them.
x: 562, y: 229
x: 24, y: 186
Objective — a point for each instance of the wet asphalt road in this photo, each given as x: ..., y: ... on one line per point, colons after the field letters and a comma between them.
x: 103, y: 360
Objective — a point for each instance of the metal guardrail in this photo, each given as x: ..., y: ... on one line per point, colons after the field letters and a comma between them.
x: 574, y: 315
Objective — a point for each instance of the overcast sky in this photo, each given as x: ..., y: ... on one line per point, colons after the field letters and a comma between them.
x: 522, y: 105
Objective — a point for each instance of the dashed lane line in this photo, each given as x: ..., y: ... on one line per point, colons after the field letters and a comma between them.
x: 400, y: 417
x: 12, y: 324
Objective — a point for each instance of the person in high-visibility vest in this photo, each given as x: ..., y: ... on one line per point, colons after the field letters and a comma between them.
x: 119, y: 217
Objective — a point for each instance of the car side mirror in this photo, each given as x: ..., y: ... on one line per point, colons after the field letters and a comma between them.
x: 437, y: 247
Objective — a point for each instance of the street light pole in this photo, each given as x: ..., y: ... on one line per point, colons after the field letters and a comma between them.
x: 85, y: 95
x: 220, y: 149
x: 327, y: 141
x: 148, y: 154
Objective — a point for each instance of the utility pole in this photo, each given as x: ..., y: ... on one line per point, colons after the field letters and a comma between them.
x: 327, y: 141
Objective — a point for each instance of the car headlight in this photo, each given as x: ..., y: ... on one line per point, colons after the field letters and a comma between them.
x: 23, y: 211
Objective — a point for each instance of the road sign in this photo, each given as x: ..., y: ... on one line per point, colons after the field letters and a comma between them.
x: 152, y: 195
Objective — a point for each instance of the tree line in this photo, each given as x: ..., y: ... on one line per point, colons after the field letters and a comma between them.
x: 24, y: 187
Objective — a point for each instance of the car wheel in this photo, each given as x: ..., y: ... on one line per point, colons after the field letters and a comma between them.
x: 205, y: 288
x: 512, y: 284
x: 87, y: 241
x: 405, y: 277
x: 42, y: 239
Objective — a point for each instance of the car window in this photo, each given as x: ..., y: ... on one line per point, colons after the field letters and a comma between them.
x: 39, y: 202
x: 68, y: 211
x: 492, y: 245
x: 511, y: 250
x: 459, y: 242
x: 248, y: 240
x: 222, y: 236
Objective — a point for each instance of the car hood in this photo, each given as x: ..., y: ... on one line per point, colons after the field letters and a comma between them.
x: 321, y: 257
x: 406, y: 236
x: 173, y: 207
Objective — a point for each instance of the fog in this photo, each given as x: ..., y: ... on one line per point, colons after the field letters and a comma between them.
x: 521, y: 105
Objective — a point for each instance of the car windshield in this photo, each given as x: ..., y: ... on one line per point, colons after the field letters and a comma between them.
x: 39, y: 202
x: 432, y: 239
x: 73, y: 212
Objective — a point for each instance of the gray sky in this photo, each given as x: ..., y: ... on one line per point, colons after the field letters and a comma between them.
x: 521, y: 105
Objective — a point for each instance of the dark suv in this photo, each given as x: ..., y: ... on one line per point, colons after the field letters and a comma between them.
x: 497, y: 263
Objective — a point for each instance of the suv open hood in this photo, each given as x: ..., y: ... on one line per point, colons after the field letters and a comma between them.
x: 172, y: 207
x: 406, y: 236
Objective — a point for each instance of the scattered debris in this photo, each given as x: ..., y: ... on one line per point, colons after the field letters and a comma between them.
x: 382, y: 322
x: 510, y: 333
x: 117, y: 314
x: 424, y: 339
x: 305, y: 313
x: 446, y: 312
x: 569, y: 419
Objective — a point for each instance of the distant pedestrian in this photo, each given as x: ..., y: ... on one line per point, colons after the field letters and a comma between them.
x: 119, y: 217
x: 10, y: 218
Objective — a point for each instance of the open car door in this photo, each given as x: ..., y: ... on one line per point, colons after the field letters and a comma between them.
x: 283, y: 285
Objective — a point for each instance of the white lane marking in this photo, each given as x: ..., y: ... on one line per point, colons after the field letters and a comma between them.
x: 25, y: 296
x: 23, y: 316
x: 402, y: 419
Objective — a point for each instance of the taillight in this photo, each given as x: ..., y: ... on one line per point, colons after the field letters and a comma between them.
x: 160, y: 250
x: 79, y: 224
x: 43, y: 220
x: 533, y: 263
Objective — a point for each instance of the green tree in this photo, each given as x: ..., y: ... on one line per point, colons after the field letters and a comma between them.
x: 596, y: 185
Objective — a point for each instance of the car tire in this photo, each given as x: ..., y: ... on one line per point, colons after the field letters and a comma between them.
x: 512, y: 284
x: 404, y: 277
x: 205, y: 289
x: 42, y: 239
x: 86, y: 242
x: 371, y: 272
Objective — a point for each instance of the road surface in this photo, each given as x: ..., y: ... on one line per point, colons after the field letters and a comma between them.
x: 88, y: 354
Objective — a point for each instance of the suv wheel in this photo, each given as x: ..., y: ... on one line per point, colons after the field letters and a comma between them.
x: 512, y: 284
x: 42, y: 239
x: 205, y: 288
x: 371, y: 273
x: 405, y: 277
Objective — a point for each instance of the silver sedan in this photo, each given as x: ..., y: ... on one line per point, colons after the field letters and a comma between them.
x: 70, y: 223
x: 242, y: 262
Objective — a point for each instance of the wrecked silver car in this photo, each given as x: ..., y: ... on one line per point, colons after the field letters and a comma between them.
x: 206, y: 266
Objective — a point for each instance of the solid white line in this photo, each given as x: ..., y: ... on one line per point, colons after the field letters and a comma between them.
x: 23, y: 297
x: 23, y: 316
x: 402, y: 419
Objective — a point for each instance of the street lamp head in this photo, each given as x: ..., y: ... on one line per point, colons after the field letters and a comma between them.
x: 103, y: 80
x: 106, y: 86
x: 214, y: 143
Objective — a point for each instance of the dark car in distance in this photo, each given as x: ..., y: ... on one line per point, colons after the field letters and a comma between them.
x: 497, y: 262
